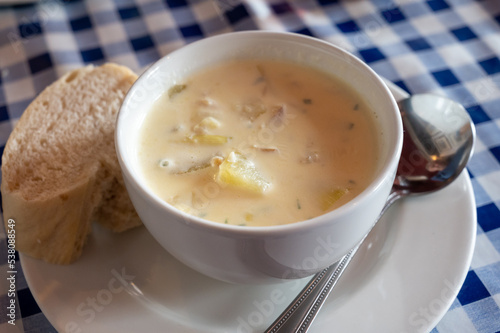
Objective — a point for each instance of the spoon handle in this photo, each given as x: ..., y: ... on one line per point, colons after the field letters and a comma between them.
x: 301, y: 312
x: 299, y: 315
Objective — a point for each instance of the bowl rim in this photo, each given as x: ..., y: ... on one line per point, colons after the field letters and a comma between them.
x: 273, y: 230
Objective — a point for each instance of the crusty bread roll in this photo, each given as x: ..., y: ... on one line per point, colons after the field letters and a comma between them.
x: 59, y: 167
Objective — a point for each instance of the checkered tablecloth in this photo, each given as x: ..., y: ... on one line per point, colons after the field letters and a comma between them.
x: 450, y: 47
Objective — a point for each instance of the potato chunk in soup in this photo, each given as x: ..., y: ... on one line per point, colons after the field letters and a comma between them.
x: 259, y: 143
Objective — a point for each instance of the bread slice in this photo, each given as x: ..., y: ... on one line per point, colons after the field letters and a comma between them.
x: 59, y: 167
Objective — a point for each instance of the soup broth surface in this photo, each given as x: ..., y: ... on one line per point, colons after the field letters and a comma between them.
x: 259, y: 143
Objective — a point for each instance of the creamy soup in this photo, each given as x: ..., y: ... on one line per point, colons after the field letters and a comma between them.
x: 259, y: 143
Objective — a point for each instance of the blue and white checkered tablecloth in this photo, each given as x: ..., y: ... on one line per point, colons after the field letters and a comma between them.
x: 450, y: 47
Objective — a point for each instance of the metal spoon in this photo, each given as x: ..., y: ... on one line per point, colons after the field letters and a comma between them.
x: 438, y: 142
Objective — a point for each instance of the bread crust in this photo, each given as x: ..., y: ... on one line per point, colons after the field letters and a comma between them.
x: 59, y: 167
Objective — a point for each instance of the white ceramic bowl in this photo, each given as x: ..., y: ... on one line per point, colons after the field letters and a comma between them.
x: 258, y: 254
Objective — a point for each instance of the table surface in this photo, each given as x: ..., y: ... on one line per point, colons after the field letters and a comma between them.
x: 448, y: 47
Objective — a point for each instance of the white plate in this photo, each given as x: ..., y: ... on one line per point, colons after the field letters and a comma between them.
x: 402, y: 280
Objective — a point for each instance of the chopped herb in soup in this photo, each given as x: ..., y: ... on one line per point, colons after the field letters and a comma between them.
x: 258, y: 143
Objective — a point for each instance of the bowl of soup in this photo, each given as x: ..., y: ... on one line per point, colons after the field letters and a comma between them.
x: 256, y: 157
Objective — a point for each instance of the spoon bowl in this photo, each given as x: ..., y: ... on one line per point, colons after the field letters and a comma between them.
x: 438, y: 142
